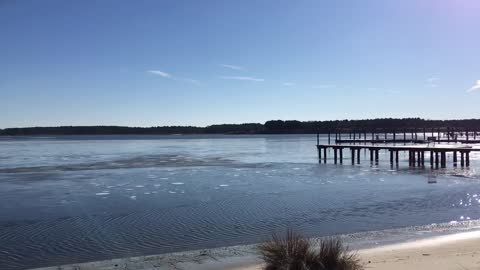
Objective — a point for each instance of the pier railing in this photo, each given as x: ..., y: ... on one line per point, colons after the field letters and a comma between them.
x: 406, y: 135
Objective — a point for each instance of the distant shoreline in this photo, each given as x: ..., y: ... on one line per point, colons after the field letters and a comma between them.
x: 269, y: 127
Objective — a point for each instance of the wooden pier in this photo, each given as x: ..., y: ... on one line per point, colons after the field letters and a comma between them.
x: 416, y: 154
x: 411, y: 135
x: 416, y: 141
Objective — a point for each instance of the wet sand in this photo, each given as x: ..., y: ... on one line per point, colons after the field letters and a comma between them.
x: 458, y: 251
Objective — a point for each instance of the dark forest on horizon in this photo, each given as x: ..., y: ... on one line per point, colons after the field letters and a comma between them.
x: 269, y: 127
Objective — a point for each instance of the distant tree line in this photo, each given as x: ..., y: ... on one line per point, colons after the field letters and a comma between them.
x: 270, y: 127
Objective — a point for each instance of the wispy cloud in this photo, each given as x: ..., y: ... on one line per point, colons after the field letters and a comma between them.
x: 170, y: 76
x: 432, y: 82
x: 393, y: 92
x: 234, y: 67
x: 160, y: 73
x: 197, y: 82
x: 323, y: 86
x: 242, y: 78
x: 288, y: 84
x: 476, y: 87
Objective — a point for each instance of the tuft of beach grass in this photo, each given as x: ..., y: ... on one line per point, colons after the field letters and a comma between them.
x: 294, y: 252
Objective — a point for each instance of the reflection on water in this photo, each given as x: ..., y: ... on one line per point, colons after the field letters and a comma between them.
x: 78, y: 199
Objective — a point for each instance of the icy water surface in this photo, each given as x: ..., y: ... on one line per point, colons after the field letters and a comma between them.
x: 82, y: 198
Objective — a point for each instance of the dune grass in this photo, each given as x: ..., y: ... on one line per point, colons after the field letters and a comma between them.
x: 294, y: 252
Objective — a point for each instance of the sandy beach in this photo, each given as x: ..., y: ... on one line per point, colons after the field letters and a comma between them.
x: 458, y: 251
x: 461, y: 251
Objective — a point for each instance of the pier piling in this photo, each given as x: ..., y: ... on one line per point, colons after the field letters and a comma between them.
x: 352, y: 150
x: 443, y: 159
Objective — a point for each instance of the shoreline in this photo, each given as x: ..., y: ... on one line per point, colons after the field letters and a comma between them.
x: 449, y: 251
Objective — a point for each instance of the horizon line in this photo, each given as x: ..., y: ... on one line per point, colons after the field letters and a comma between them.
x: 242, y: 123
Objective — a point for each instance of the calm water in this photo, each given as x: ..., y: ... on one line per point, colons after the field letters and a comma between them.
x: 74, y: 199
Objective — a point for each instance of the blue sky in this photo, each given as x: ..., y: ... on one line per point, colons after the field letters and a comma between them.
x: 178, y: 62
